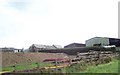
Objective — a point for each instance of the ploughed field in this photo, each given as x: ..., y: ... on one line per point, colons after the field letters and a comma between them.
x: 10, y: 59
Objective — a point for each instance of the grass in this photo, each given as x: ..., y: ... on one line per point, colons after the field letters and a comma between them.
x: 75, y: 68
x: 111, y: 67
x: 25, y: 66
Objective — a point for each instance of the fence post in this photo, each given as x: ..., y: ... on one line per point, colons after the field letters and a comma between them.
x: 56, y: 64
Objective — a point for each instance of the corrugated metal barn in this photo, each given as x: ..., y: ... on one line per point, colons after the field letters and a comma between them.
x: 102, y: 41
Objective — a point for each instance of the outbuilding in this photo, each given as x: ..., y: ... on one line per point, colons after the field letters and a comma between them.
x: 74, y: 45
x: 10, y: 49
x: 103, y: 41
x: 39, y: 47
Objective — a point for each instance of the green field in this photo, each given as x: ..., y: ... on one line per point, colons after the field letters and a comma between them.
x: 25, y: 66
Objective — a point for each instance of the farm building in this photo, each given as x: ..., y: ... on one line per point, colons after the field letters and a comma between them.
x: 103, y: 41
x: 57, y: 46
x: 10, y: 49
x: 74, y: 45
x: 38, y: 47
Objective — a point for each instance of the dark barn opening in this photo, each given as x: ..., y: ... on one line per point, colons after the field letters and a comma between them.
x: 114, y: 41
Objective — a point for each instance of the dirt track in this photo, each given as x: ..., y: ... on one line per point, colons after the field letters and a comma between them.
x: 9, y: 59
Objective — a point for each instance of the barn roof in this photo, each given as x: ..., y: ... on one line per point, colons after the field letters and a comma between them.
x: 39, y: 46
x: 103, y: 37
x: 57, y: 46
x: 44, y: 46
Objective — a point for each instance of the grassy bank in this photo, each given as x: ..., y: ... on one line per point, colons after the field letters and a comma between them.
x: 111, y: 67
x: 25, y: 66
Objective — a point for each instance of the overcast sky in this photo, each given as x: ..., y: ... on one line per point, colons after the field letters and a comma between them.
x: 61, y: 22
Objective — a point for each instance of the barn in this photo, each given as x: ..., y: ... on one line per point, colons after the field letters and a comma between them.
x: 102, y: 41
x: 39, y: 47
x: 74, y: 45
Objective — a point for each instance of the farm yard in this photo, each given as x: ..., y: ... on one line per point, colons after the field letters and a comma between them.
x: 97, y: 55
x: 88, y: 62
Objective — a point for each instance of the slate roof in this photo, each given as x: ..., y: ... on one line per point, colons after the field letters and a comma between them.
x: 45, y: 46
x: 39, y: 46
x: 73, y: 45
x: 49, y: 47
x: 57, y: 46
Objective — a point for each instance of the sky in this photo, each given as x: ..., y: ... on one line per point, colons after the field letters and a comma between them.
x: 60, y: 22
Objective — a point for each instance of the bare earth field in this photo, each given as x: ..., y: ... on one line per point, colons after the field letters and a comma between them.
x: 9, y: 58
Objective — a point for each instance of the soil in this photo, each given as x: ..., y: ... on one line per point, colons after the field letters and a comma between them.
x: 10, y: 58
